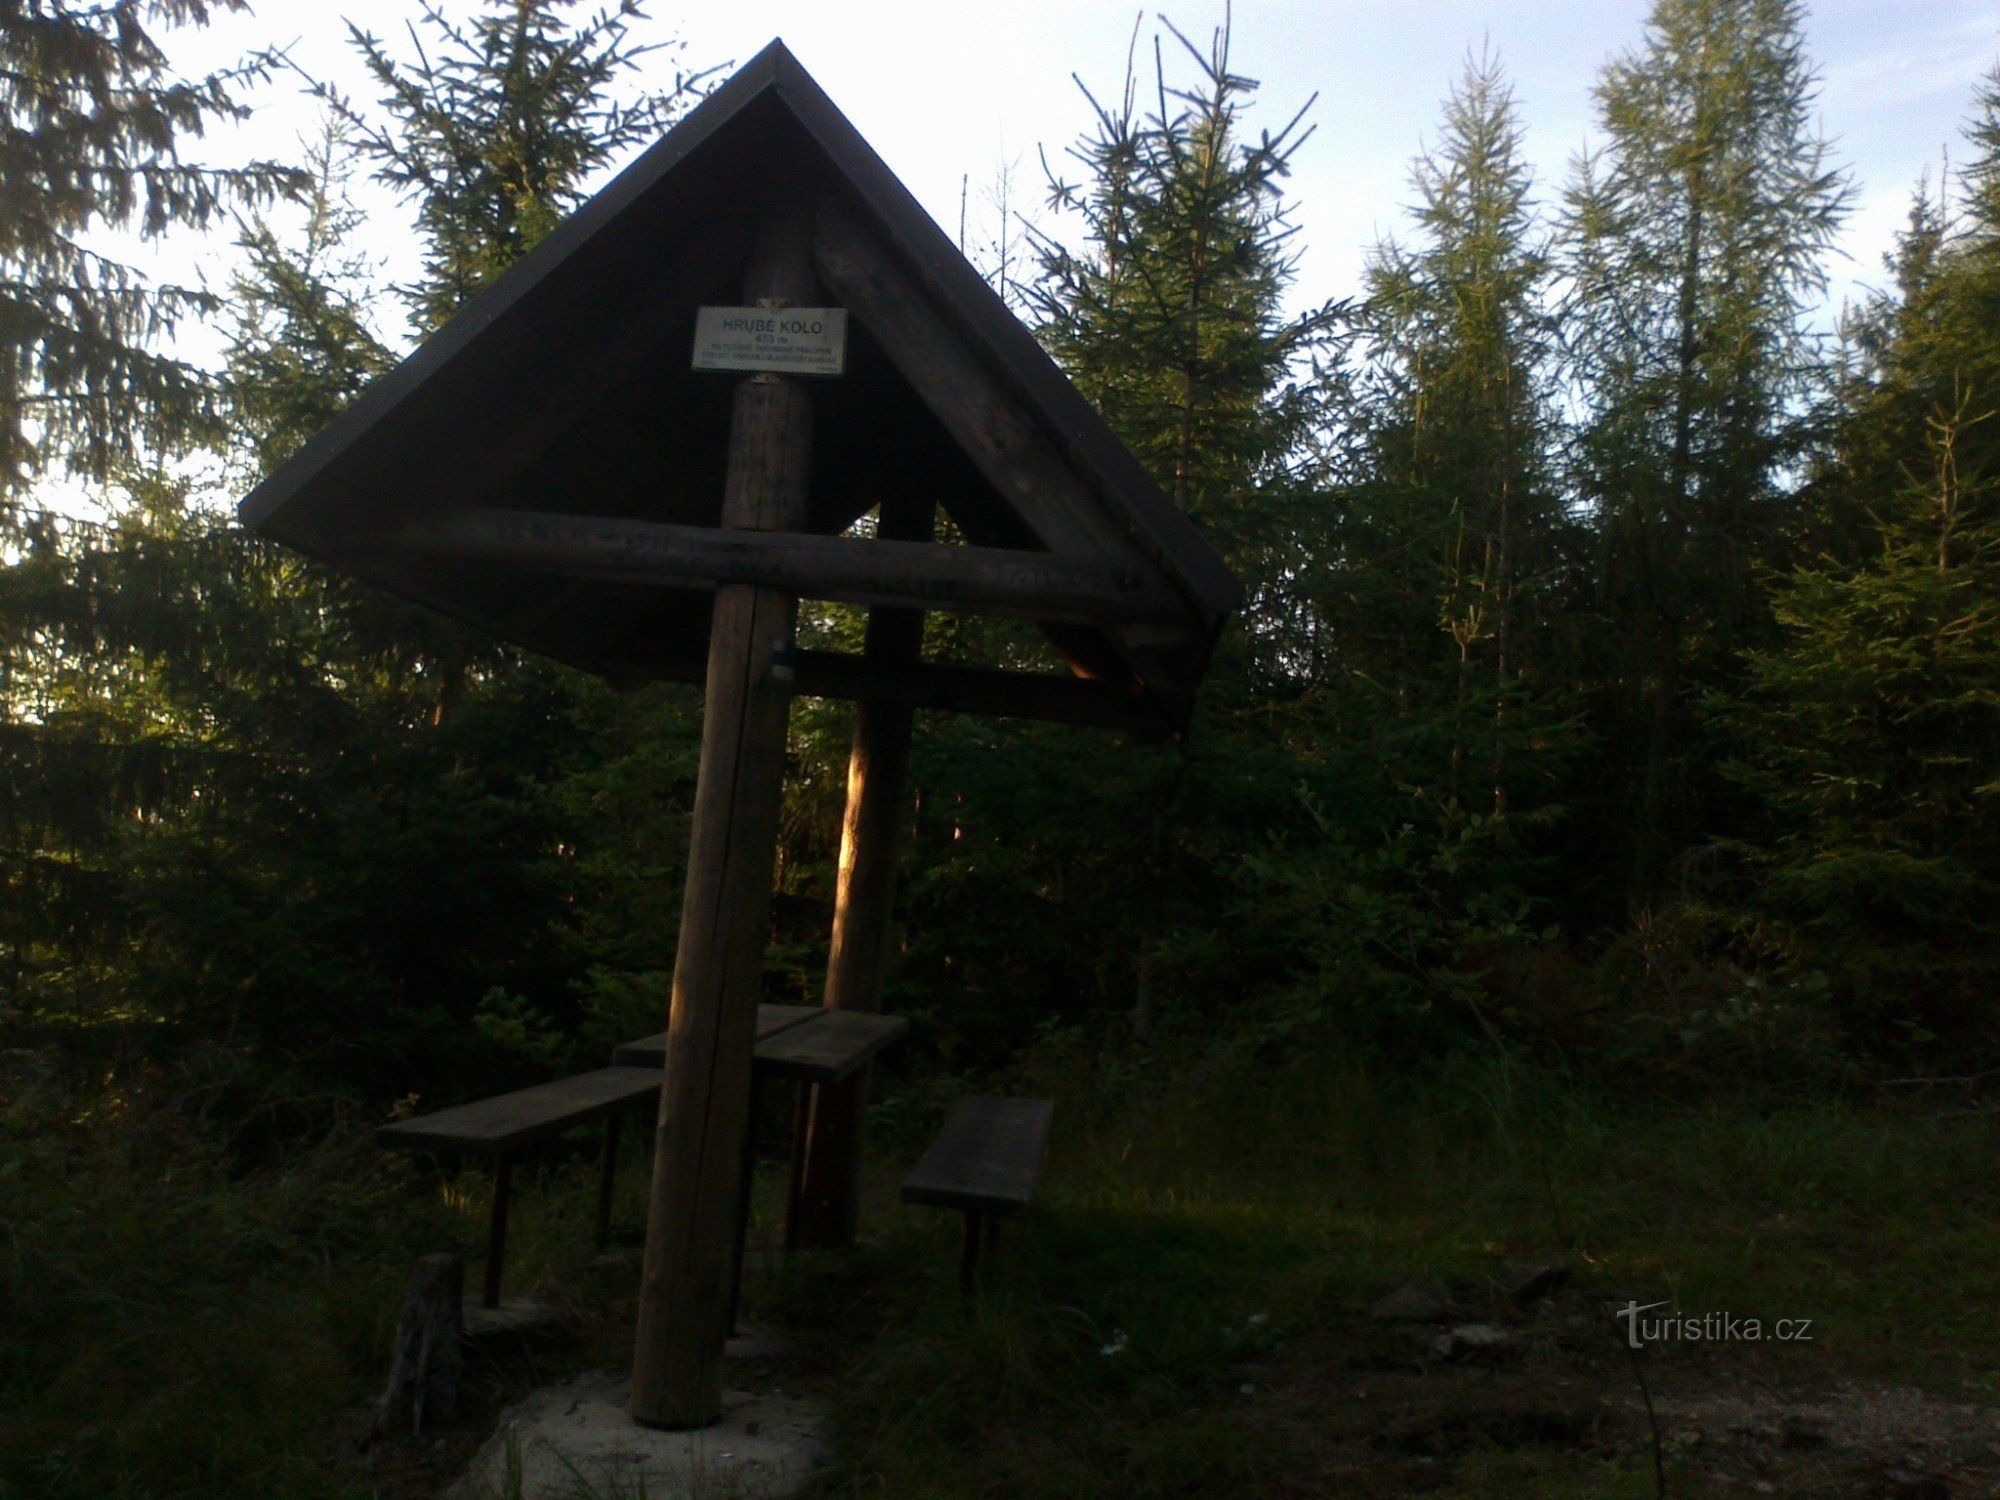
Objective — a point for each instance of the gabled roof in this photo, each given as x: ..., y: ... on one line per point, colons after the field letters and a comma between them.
x: 565, y: 387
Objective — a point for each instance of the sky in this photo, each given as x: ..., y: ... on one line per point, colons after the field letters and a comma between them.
x: 949, y: 93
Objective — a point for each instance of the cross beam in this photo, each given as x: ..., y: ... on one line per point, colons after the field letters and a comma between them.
x: 921, y: 575
x: 1095, y: 703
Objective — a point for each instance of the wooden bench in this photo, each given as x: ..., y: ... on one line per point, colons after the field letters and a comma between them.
x: 501, y: 1126
x: 985, y: 1162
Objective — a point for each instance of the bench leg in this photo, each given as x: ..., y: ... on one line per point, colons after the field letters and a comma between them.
x: 968, y: 1260
x: 607, y: 1177
x: 748, y: 1186
x: 804, y: 1102
x: 496, y: 1229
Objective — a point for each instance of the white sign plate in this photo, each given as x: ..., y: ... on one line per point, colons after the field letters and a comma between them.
x: 795, y: 340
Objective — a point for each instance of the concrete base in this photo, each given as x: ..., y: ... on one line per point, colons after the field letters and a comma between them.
x: 578, y: 1439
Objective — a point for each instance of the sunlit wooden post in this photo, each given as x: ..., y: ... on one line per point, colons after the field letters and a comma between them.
x: 826, y: 1158
x: 698, y: 1179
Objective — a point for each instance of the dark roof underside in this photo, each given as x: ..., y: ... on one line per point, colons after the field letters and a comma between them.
x: 566, y: 387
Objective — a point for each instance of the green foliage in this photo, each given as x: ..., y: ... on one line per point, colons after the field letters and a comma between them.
x: 494, y: 127
x: 268, y: 830
x: 276, y: 851
x: 1694, y: 240
x: 301, y: 344
x: 238, y: 836
x: 174, y: 1327
x: 1172, y: 324
x: 1871, y: 731
x: 92, y: 119
x: 1456, y: 541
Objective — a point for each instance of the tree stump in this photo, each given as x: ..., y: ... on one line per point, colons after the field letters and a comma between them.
x: 423, y: 1373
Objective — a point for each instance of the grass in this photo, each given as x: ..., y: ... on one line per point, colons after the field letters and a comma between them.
x: 1186, y: 1314
x: 1203, y: 1221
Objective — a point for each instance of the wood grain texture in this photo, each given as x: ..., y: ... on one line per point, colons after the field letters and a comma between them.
x: 999, y: 432
x: 651, y: 1051
x: 512, y: 1120
x: 826, y: 1162
x: 987, y: 1157
x: 1002, y: 581
x: 687, y: 1286
x: 940, y: 364
x: 830, y: 1048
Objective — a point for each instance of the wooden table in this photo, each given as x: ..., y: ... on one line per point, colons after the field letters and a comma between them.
x: 806, y: 1044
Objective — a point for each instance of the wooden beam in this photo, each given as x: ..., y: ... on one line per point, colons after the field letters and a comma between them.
x: 1090, y: 702
x: 939, y: 364
x: 693, y: 1246
x: 991, y: 424
x: 826, y: 1165
x: 969, y: 580
x: 1093, y: 703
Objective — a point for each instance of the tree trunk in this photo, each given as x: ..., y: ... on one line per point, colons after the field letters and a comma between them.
x: 1665, y: 585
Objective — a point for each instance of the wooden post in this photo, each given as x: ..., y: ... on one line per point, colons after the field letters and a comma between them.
x: 697, y: 1195
x: 607, y: 1181
x: 496, y: 1229
x: 826, y: 1164
x: 749, y: 1181
x: 968, y: 1257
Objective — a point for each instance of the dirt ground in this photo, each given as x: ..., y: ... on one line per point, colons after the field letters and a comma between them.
x: 1388, y: 1408
x: 1396, y: 1408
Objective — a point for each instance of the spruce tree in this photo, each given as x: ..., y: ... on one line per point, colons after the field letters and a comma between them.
x: 302, y: 342
x: 262, y: 818
x: 93, y: 121
x: 1870, y: 730
x: 1171, y: 321
x: 494, y: 126
x: 1169, y: 318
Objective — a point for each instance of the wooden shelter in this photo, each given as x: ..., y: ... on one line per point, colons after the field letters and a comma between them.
x: 550, y: 466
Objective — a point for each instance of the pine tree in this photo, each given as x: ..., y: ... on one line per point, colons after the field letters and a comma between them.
x: 92, y: 122
x: 1693, y: 240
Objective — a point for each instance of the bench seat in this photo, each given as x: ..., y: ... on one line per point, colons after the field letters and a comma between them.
x: 984, y: 1162
x: 509, y: 1121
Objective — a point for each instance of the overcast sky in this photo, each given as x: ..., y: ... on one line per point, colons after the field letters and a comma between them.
x: 946, y: 91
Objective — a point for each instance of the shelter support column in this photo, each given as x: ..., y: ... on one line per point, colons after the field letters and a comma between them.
x: 692, y: 1248
x: 826, y: 1162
